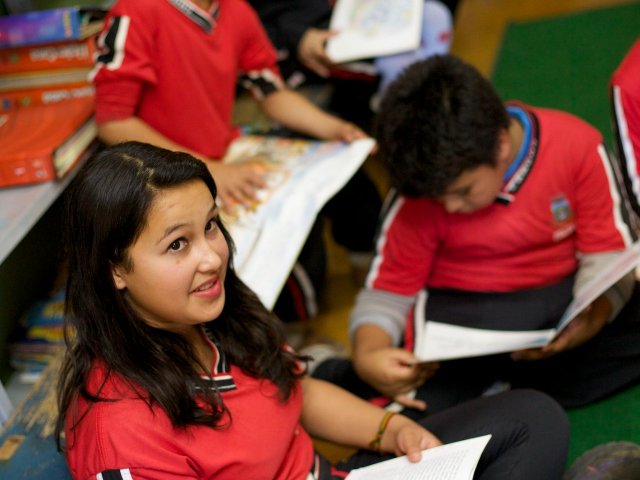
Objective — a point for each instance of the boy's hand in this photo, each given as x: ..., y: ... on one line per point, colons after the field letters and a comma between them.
x: 237, y: 183
x: 581, y: 329
x: 394, y: 372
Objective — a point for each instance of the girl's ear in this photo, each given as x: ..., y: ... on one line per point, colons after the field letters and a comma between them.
x: 118, y: 277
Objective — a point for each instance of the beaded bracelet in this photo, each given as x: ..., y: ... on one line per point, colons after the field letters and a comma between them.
x: 375, y: 443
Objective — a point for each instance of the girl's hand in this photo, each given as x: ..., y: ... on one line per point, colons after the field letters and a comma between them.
x: 405, y: 437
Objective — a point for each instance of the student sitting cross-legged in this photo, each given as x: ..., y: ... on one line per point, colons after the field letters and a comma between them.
x: 174, y: 369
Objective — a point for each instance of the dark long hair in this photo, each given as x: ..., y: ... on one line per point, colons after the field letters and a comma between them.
x: 107, y: 208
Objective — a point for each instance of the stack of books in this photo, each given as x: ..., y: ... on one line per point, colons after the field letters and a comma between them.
x: 46, y: 98
x: 39, y: 337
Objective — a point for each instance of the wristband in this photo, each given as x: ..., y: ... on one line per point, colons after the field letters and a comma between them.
x: 375, y: 443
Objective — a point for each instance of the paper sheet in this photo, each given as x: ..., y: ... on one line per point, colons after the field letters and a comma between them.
x: 454, y: 461
x: 373, y: 28
x: 442, y: 341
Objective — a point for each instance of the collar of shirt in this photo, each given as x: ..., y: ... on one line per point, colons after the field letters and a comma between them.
x: 220, y: 370
x: 519, y: 169
x: 203, y: 18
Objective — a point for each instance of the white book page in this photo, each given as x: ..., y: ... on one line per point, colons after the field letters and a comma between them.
x: 373, y: 28
x: 600, y: 283
x: 454, y: 461
x: 443, y: 341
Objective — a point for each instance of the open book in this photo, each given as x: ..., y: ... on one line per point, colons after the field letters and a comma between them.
x: 301, y: 176
x: 373, y: 28
x: 453, y: 461
x: 442, y: 341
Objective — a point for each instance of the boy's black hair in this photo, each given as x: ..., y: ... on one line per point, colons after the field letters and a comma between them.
x: 439, y: 118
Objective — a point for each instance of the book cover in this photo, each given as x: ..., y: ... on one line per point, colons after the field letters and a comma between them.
x: 372, y: 28
x: 46, y: 95
x: 53, y: 25
x: 78, y: 53
x: 43, y: 142
x: 42, y: 78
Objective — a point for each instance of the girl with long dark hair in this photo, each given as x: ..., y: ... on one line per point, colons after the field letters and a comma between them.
x: 174, y: 369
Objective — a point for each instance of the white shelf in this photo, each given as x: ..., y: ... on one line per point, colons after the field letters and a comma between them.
x: 22, y: 206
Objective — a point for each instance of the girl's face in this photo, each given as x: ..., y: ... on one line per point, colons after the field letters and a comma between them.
x: 179, y: 262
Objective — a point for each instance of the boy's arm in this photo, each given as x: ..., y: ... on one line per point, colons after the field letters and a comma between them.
x: 334, y: 414
x: 295, y: 112
x: 376, y: 326
x: 619, y: 293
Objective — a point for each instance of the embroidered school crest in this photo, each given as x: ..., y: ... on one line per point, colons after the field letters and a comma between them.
x: 561, y: 210
x: 562, y: 218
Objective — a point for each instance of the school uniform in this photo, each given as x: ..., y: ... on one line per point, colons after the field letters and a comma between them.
x: 126, y: 437
x: 625, y: 100
x: 176, y: 67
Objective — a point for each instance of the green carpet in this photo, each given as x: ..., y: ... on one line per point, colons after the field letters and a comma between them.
x: 566, y: 63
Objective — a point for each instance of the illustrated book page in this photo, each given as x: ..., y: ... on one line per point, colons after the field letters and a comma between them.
x: 374, y: 28
x: 442, y: 341
x: 453, y: 461
x: 301, y: 176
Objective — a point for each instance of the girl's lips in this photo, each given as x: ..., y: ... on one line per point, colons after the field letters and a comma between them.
x: 209, y: 289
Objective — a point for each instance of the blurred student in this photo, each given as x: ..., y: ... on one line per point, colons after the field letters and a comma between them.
x: 501, y: 213
x: 299, y: 29
x: 175, y: 369
x: 625, y: 102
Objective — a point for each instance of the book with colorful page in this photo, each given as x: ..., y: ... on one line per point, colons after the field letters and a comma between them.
x: 301, y: 175
x: 43, y: 142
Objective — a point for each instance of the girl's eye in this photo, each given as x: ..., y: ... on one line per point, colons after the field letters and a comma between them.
x: 176, y: 245
x: 211, y: 225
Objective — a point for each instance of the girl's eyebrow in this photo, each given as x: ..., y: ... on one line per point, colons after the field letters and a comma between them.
x: 169, y: 230
x: 172, y: 228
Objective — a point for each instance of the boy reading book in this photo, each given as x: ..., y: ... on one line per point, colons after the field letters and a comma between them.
x: 501, y: 212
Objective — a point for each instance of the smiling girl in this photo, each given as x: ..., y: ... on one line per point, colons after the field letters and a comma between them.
x: 176, y: 370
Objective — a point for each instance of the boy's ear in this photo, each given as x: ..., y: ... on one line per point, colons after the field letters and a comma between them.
x: 504, y: 147
x: 118, y: 277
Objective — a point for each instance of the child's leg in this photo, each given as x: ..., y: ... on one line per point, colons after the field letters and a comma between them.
x: 530, y: 435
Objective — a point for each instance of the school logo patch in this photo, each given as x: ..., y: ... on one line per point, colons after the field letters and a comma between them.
x: 562, y: 218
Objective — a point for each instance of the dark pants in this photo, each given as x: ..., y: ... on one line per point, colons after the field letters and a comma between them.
x: 529, y: 436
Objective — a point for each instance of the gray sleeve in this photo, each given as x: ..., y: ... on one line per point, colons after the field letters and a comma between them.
x: 383, y: 309
x: 619, y: 293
